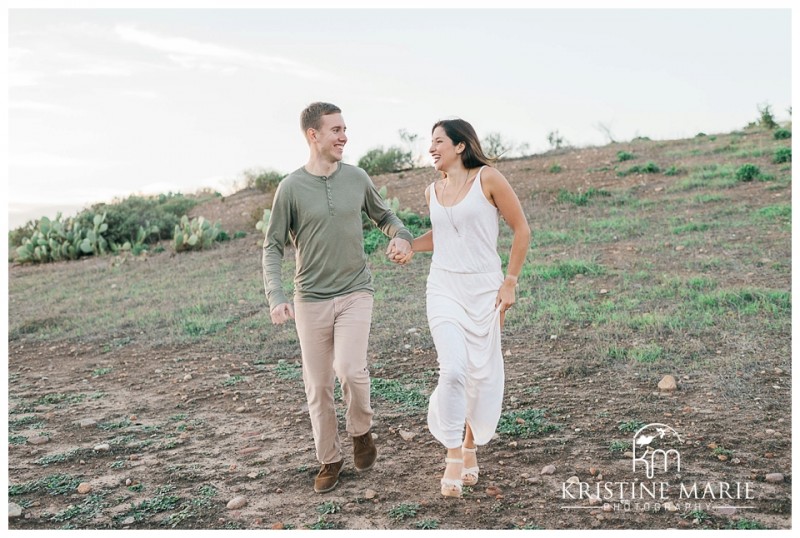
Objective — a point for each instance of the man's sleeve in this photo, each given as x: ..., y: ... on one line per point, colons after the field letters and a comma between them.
x: 276, y: 238
x: 376, y: 209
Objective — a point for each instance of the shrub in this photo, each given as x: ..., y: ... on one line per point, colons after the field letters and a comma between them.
x: 747, y: 172
x: 380, y: 161
x: 555, y: 139
x: 496, y: 147
x: 263, y: 180
x: 767, y: 119
x: 649, y: 168
x: 625, y: 156
x: 157, y: 215
x: 555, y: 168
x: 782, y: 134
x: 782, y: 155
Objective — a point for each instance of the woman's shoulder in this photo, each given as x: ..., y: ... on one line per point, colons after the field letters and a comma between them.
x: 491, y: 175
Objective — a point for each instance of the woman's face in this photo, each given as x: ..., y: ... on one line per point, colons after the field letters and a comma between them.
x: 444, y: 153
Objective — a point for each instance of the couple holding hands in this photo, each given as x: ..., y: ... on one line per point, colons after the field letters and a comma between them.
x: 317, y: 209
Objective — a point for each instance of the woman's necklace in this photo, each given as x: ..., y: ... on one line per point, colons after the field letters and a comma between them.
x: 450, y: 208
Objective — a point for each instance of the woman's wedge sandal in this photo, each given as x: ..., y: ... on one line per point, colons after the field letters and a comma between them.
x: 451, y: 487
x: 469, y: 475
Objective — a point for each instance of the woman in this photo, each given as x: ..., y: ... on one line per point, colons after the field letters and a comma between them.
x: 467, y: 294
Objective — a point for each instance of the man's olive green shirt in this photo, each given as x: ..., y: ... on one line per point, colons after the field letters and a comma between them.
x: 321, y: 217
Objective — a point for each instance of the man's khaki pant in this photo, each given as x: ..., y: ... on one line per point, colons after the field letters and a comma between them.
x: 333, y: 341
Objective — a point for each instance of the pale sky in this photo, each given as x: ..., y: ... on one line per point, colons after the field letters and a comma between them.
x: 107, y: 103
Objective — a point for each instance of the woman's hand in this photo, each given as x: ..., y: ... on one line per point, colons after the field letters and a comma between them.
x: 507, y: 295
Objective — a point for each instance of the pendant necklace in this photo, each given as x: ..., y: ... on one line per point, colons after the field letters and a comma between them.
x: 450, y: 212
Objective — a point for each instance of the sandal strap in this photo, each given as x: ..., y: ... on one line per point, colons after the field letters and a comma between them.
x: 452, y: 482
x: 453, y: 460
x: 470, y: 450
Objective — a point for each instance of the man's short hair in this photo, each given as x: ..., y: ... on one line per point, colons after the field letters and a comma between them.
x: 311, y: 117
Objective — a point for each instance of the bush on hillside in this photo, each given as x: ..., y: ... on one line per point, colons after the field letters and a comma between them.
x: 384, y: 161
x: 158, y: 215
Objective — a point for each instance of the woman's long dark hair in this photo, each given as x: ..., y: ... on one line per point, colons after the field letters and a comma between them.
x: 459, y: 131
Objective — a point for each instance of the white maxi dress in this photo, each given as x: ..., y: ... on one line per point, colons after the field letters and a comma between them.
x: 465, y: 276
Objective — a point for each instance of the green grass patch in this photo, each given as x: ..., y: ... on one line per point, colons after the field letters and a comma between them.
x: 525, y: 423
x: 748, y: 301
x: 566, y: 269
x: 692, y: 227
x: 393, y: 391
x: 630, y: 426
x: 708, y: 198
x: 580, y: 198
x: 288, y: 370
x: 646, y: 354
x: 55, y: 484
x: 776, y: 212
x: 404, y: 511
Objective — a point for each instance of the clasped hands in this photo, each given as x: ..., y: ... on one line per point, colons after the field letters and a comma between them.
x: 399, y: 251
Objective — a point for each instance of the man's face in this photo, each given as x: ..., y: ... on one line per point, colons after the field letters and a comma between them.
x: 330, y: 138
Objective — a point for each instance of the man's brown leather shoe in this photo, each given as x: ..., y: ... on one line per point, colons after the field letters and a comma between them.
x: 328, y: 477
x: 364, y: 452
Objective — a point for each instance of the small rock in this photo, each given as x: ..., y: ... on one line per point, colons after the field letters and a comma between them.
x: 38, y: 440
x: 104, y: 447
x: 249, y: 450
x: 187, y: 377
x: 669, y: 506
x: 608, y: 508
x: 87, y: 423
x: 594, y: 500
x: 573, y: 480
x: 406, y: 435
x: 128, y: 521
x: 667, y: 383
x: 84, y: 488
x: 774, y: 477
x: 493, y: 491
x: 14, y: 510
x: 603, y: 291
x: 241, y: 409
x: 277, y: 526
x: 236, y: 503
x: 548, y: 469
x: 553, y: 336
x: 370, y: 494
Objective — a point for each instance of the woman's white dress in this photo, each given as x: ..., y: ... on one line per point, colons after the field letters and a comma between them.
x: 465, y: 276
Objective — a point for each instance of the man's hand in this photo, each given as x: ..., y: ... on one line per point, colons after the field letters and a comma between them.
x: 282, y: 313
x: 399, y: 251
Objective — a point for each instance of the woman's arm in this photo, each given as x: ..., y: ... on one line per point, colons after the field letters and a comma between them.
x: 502, y: 195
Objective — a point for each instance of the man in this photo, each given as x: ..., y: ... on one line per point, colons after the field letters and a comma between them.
x: 318, y: 208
